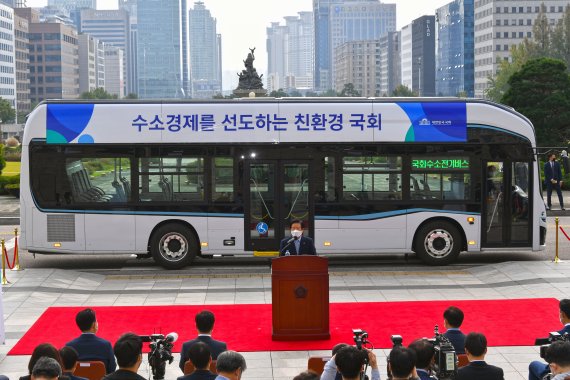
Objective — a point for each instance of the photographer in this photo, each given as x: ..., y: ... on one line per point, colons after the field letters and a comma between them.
x: 402, y: 364
x: 558, y: 358
x: 537, y: 369
x: 350, y: 362
x: 476, y: 349
x: 128, y: 350
x: 424, y: 351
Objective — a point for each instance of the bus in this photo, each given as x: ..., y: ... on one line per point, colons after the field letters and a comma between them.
x: 176, y: 180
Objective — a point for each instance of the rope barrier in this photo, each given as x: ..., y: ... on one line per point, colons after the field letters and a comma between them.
x: 4, y: 279
x: 564, y: 232
x: 5, y: 253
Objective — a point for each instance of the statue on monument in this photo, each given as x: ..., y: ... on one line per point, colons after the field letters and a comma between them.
x: 249, y: 79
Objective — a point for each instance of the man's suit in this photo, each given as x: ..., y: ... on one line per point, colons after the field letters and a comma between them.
x: 552, y: 171
x: 72, y: 377
x: 457, y: 339
x: 306, y: 247
x: 480, y: 370
x: 199, y: 374
x: 123, y: 374
x: 91, y: 347
x: 216, y: 347
x: 537, y: 369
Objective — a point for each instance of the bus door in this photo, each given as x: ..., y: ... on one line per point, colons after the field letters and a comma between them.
x: 276, y: 193
x: 507, y: 205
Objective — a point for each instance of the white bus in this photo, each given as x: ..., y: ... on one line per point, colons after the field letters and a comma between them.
x: 180, y: 180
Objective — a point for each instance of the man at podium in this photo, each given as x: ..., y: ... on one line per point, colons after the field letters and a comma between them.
x: 297, y: 244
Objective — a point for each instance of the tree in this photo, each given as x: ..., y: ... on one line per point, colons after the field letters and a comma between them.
x: 98, y: 93
x: 541, y: 31
x: 311, y: 94
x: 2, y: 159
x: 7, y: 113
x: 132, y: 95
x: 296, y: 94
x: 349, y: 90
x: 278, y: 94
x: 403, y: 91
x: 330, y: 93
x: 540, y: 90
x: 499, y: 84
x: 561, y: 38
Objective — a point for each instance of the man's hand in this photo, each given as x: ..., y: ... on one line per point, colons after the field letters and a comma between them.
x: 372, y: 359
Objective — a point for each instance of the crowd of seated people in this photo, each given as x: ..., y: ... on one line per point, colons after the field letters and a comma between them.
x: 209, y: 359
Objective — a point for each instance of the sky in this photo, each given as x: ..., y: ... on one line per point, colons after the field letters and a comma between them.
x: 243, y: 24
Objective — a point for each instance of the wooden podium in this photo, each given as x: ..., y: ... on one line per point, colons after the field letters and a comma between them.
x: 300, y: 295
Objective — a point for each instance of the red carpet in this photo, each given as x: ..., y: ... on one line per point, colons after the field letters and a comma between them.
x: 248, y: 327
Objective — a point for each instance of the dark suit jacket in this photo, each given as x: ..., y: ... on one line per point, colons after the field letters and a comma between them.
x: 307, y: 247
x: 91, y: 347
x: 122, y: 374
x: 457, y: 338
x: 480, y: 371
x: 71, y: 377
x: 199, y: 374
x: 216, y: 348
x: 552, y: 173
x: 565, y: 330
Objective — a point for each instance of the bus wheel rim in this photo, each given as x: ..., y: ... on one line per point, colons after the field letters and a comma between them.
x: 173, y: 246
x: 438, y: 243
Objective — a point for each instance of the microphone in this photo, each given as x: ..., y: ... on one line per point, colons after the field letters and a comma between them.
x: 290, y: 240
x: 172, y: 337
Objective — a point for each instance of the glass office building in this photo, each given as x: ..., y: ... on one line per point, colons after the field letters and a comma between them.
x: 455, y: 49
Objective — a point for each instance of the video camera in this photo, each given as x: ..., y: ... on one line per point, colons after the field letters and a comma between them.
x: 361, y: 340
x: 552, y: 337
x: 160, y: 352
x: 445, y: 363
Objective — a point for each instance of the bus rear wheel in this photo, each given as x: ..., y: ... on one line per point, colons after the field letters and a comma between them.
x: 438, y: 243
x: 173, y: 246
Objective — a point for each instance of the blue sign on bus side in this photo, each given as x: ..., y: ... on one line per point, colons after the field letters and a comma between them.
x: 262, y: 228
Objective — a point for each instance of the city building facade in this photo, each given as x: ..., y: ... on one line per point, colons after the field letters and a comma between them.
x: 160, y: 51
x: 455, y: 73
x: 406, y: 56
x: 502, y: 24
x: 418, y: 56
x: 390, y: 67
x: 205, y: 57
x: 114, y: 62
x: 132, y: 83
x: 357, y: 62
x: 91, y: 63
x: 54, y: 62
x: 111, y: 27
x: 22, y: 54
x: 7, y: 55
x: 71, y: 5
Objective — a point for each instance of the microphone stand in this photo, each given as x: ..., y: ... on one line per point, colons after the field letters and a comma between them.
x: 286, y: 245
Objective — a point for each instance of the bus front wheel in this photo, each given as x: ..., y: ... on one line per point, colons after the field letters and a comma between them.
x: 173, y: 246
x: 438, y: 243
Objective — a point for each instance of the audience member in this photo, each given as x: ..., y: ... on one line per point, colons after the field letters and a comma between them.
x: 424, y: 351
x: 402, y: 363
x: 200, y: 356
x: 537, y: 369
x: 41, y: 350
x: 205, y: 325
x: 452, y: 320
x: 558, y: 358
x: 307, y: 375
x: 350, y: 361
x: 46, y: 368
x: 476, y: 349
x: 69, y: 358
x: 230, y: 366
x: 335, y: 349
x: 128, y: 350
x: 88, y: 345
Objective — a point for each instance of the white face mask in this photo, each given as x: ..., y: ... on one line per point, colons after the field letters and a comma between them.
x: 296, y: 233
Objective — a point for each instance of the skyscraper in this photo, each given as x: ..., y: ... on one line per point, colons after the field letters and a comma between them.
x: 390, y: 69
x: 454, y: 44
x: 22, y: 42
x: 131, y: 55
x: 339, y: 21
x: 70, y: 5
x: 111, y: 27
x: 205, y: 59
x: 91, y: 63
x: 7, y: 55
x: 114, y: 81
x: 160, y: 50
x: 357, y: 62
x: 418, y: 56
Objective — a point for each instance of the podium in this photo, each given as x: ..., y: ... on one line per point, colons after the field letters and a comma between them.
x: 300, y: 298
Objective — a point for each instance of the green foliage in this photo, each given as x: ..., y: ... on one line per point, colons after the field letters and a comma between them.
x: 13, y: 189
x: 541, y: 91
x: 295, y: 93
x: 98, y: 93
x: 311, y: 94
x: 278, y: 94
x: 2, y: 159
x: 132, y: 96
x: 218, y: 96
x: 7, y: 113
x: 330, y: 93
x: 499, y: 85
x: 349, y: 90
x: 403, y: 91
x: 8, y: 180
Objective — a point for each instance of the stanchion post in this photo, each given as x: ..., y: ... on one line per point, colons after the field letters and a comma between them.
x: 4, y: 279
x: 16, y: 251
x: 556, y: 260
